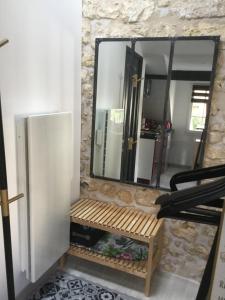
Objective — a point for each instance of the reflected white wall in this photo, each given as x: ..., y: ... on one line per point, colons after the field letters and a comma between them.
x: 111, y: 67
x: 182, y: 140
x: 109, y: 100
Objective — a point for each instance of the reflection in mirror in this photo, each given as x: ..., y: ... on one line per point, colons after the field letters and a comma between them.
x: 187, y: 108
x: 109, y: 118
x: 151, y: 108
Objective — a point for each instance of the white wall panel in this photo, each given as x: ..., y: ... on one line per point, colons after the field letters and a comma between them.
x: 21, y: 143
x: 50, y: 164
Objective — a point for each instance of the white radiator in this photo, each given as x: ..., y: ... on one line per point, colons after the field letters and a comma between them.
x: 44, y: 154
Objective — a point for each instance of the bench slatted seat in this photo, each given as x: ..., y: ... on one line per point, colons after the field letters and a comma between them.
x: 126, y: 221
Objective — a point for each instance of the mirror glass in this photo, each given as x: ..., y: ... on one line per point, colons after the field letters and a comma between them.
x: 187, y: 107
x: 151, y: 108
x: 109, y: 113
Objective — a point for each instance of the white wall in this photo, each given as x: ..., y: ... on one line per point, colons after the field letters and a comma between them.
x: 193, y: 62
x: 114, y: 140
x: 39, y: 72
x: 172, y: 98
x: 98, y: 164
x: 140, y: 108
x: 182, y: 140
x: 111, y: 67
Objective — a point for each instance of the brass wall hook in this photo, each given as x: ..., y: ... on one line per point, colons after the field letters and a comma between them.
x: 4, y: 201
x: 21, y: 195
x: 3, y: 42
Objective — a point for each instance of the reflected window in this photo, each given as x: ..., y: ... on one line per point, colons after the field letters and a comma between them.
x: 200, y: 96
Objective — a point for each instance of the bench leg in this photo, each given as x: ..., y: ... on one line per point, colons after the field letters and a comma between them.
x: 62, y: 261
x: 160, y: 240
x: 149, y: 268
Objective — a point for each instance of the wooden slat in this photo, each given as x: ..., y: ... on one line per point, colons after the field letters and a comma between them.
x: 128, y: 222
x: 86, y: 209
x: 119, y: 264
x: 126, y: 263
x: 107, y: 217
x: 141, y: 265
x: 127, y: 215
x: 78, y: 205
x: 83, y: 209
x: 157, y: 227
x: 98, y: 212
x: 140, y: 220
x: 150, y: 220
x: 110, y: 229
x: 78, y: 202
x: 124, y: 212
x: 135, y: 265
x: 89, y: 211
x: 134, y: 221
x: 110, y: 217
x: 115, y: 218
x: 151, y: 227
x: 94, y: 212
x: 107, y: 212
x: 141, y: 226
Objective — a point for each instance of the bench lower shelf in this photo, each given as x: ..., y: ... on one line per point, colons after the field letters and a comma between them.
x: 137, y: 268
x: 124, y: 221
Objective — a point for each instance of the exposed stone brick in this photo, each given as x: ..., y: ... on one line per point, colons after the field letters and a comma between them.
x: 146, y: 197
x: 214, y: 137
x: 186, y: 245
x: 125, y: 196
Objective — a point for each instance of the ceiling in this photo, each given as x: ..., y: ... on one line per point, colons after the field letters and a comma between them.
x: 188, y: 55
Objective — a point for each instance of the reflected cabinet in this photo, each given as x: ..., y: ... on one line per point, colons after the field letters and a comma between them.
x: 151, y: 107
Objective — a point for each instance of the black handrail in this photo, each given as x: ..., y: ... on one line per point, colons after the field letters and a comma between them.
x: 196, y: 175
x: 184, y: 205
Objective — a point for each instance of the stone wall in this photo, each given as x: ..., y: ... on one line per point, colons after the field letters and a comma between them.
x: 186, y: 245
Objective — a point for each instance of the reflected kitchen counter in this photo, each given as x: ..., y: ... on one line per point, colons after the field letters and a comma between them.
x: 147, y: 134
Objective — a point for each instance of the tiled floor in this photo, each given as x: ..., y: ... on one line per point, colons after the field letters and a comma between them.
x: 64, y: 286
x: 165, y: 286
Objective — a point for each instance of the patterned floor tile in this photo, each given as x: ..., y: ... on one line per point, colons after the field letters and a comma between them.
x: 64, y: 286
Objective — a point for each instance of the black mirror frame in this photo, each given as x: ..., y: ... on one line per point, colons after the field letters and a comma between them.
x: 215, y: 39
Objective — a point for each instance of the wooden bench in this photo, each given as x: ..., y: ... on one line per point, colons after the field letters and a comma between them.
x: 126, y: 221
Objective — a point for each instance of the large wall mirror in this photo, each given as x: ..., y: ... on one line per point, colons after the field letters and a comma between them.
x: 151, y: 107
